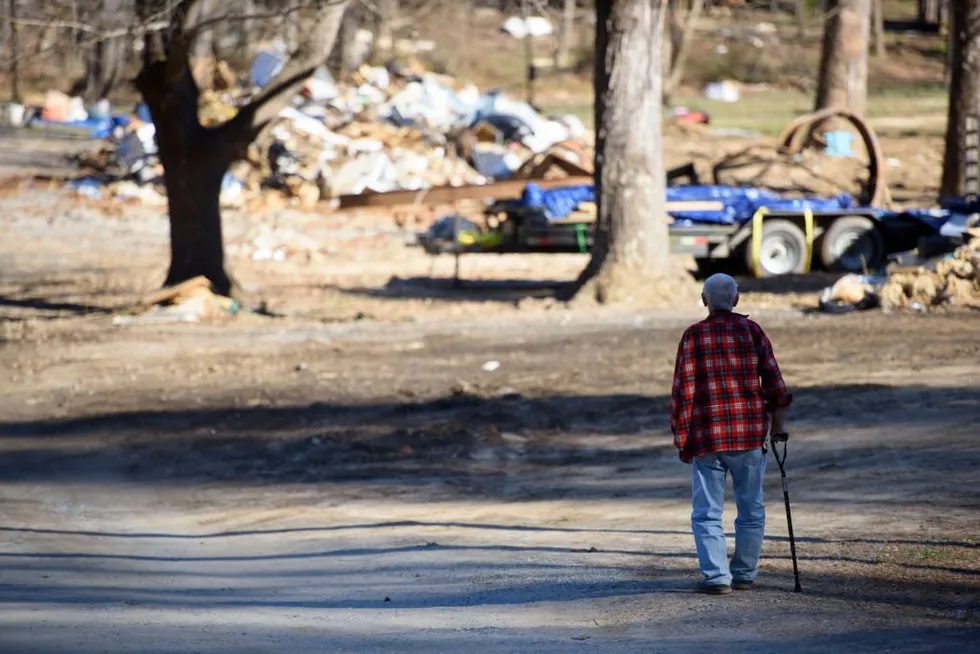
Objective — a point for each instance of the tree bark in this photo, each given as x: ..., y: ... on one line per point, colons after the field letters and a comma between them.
x: 843, y: 80
x: 964, y: 91
x: 631, y: 241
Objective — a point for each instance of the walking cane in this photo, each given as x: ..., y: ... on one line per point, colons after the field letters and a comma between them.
x: 781, y: 460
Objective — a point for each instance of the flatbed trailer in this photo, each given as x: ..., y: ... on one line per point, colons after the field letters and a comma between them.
x: 771, y: 243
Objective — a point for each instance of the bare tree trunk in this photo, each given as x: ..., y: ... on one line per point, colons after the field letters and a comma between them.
x: 195, y: 158
x: 843, y: 80
x: 529, y: 71
x: 107, y: 57
x: 631, y: 241
x: 347, y: 56
x: 566, y: 37
x: 878, y: 11
x: 14, y: 52
x: 801, y: 18
x: 682, y: 37
x: 204, y: 44
x: 964, y: 91
x: 384, y: 38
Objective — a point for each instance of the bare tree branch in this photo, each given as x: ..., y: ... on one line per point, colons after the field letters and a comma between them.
x: 254, y: 117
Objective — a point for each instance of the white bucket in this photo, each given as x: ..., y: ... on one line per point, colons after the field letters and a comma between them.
x: 15, y: 115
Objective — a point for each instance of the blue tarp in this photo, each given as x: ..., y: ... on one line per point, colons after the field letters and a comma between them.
x: 739, y: 204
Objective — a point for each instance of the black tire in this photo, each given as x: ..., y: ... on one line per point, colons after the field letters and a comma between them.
x: 783, y: 250
x: 848, y: 239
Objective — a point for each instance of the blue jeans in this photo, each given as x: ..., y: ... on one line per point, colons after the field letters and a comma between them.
x: 709, y: 474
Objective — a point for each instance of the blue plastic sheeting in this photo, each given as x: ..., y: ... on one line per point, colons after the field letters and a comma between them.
x: 738, y: 204
x: 960, y: 205
x: 557, y: 203
x: 934, y: 218
x: 143, y: 113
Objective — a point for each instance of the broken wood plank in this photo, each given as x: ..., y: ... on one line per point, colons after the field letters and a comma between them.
x: 510, y: 189
x: 170, y: 292
x: 586, y: 213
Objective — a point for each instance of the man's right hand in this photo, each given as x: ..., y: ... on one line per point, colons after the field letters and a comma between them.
x: 778, y: 425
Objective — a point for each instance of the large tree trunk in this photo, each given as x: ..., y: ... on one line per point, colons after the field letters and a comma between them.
x: 964, y: 91
x: 195, y: 158
x: 843, y: 78
x: 194, y: 164
x: 631, y: 242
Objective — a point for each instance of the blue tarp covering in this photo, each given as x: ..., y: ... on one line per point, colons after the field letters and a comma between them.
x: 934, y: 218
x: 739, y: 203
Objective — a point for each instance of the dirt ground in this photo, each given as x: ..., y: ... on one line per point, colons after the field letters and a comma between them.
x: 381, y: 465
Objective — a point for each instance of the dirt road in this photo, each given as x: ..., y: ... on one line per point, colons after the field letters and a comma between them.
x: 271, y: 486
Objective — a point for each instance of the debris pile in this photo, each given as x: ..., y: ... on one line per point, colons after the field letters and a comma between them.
x: 952, y: 280
x: 385, y: 129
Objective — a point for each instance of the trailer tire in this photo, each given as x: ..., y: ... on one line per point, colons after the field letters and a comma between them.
x: 848, y: 239
x: 783, y: 250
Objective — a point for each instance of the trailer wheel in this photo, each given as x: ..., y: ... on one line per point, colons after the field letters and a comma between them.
x: 848, y: 239
x: 783, y: 250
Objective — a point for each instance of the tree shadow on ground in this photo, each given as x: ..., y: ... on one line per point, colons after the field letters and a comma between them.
x: 447, y: 289
x: 554, y: 574
x: 460, y: 290
x: 50, y: 306
x: 463, y: 527
x: 504, y: 446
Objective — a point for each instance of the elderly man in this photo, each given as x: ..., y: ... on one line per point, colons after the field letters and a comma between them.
x: 727, y: 392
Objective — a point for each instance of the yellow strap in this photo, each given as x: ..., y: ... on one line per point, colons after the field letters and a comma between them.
x: 757, y: 241
x: 808, y: 225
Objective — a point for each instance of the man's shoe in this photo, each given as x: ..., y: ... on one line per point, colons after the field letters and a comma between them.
x: 715, y: 589
x: 741, y: 585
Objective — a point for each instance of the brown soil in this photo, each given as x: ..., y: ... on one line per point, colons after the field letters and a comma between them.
x: 504, y: 426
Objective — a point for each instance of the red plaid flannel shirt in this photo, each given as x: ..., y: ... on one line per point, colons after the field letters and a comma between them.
x: 726, y: 379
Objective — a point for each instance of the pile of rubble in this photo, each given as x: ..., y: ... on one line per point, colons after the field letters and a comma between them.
x: 385, y: 129
x: 952, y: 280
x: 944, y: 271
